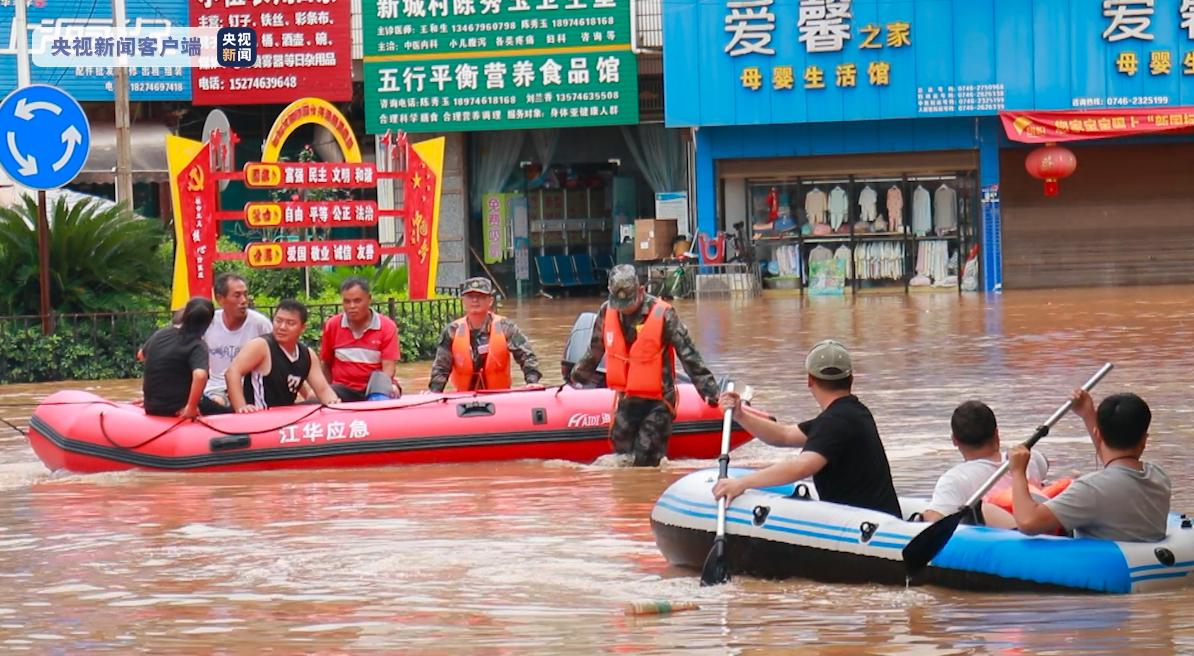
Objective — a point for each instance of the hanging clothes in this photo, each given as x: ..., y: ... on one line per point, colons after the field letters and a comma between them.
x: 879, y: 261
x: 839, y: 207
x: 843, y: 255
x: 868, y: 209
x: 895, y: 209
x: 932, y: 262
x: 945, y: 210
x: 922, y: 213
x: 815, y: 205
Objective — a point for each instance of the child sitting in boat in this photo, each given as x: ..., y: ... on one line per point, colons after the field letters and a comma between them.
x: 1127, y: 500
x: 975, y: 433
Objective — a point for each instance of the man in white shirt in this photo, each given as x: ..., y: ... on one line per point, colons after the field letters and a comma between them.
x: 976, y: 435
x: 234, y: 325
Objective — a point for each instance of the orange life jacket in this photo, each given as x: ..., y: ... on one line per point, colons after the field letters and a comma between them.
x: 637, y: 371
x: 495, y: 374
x: 1003, y: 498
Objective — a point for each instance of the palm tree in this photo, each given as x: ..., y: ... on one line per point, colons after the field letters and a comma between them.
x: 102, y: 259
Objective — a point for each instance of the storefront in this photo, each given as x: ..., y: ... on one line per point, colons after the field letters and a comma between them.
x: 545, y: 101
x: 860, y: 143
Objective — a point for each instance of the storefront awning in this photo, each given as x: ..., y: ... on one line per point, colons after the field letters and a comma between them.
x: 148, y: 151
x: 1048, y: 127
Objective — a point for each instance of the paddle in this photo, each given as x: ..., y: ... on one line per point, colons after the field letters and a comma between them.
x: 716, y: 571
x: 925, y: 546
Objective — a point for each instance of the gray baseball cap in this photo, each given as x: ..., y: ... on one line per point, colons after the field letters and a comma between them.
x: 623, y: 287
x: 828, y: 360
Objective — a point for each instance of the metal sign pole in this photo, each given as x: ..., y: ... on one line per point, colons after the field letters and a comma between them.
x: 43, y: 260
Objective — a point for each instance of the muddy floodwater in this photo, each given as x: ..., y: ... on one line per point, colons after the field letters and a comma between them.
x: 539, y: 557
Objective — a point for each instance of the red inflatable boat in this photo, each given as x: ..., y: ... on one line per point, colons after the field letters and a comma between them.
x: 80, y: 432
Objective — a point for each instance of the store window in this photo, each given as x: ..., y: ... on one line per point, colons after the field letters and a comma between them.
x: 830, y: 232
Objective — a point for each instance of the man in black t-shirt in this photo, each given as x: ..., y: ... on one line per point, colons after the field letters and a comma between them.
x: 842, y: 449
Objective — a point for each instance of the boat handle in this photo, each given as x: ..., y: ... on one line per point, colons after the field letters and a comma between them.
x: 229, y: 442
x: 474, y: 409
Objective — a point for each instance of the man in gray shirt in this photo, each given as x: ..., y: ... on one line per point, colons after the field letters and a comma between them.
x: 1126, y: 500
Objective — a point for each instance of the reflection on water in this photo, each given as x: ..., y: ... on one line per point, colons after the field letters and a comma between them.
x: 517, y: 557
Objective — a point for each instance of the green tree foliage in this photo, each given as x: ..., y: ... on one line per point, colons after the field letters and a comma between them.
x: 102, y: 259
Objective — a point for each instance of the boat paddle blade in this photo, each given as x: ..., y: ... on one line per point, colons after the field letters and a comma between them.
x: 926, y: 545
x: 715, y: 571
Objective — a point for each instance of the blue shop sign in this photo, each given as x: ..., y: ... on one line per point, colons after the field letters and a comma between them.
x: 752, y: 62
x: 82, y: 23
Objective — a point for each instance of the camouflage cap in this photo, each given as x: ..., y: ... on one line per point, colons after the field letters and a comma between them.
x: 623, y: 287
x: 828, y: 360
x: 478, y: 285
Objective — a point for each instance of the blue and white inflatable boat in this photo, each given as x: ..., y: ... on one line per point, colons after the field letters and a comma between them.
x: 786, y: 532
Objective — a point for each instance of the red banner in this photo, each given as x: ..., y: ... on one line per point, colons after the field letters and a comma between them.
x: 419, y: 204
x: 309, y: 175
x: 276, y: 255
x: 197, y: 207
x: 1049, y: 127
x: 312, y: 214
x: 304, y: 48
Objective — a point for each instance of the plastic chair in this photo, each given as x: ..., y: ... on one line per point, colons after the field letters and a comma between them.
x: 567, y: 276
x: 585, y: 275
x: 549, y: 276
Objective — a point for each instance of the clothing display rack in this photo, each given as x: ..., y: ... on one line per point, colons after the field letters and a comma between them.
x: 910, y: 229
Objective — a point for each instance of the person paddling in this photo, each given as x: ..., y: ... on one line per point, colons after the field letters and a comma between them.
x: 1127, y: 499
x: 842, y: 449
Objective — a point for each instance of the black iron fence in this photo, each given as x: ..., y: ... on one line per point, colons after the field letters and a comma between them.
x: 104, y: 345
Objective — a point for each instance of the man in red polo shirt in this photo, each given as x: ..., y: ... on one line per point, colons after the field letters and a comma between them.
x: 358, y: 342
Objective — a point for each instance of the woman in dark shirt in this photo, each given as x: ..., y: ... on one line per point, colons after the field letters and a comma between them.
x: 176, y: 363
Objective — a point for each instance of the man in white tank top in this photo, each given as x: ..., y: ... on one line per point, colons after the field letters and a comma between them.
x: 234, y: 325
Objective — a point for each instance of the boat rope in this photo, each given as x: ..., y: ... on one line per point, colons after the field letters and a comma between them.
x: 14, y: 427
x: 104, y: 432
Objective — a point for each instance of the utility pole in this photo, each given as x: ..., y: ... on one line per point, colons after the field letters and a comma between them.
x: 120, y: 84
x: 20, y: 27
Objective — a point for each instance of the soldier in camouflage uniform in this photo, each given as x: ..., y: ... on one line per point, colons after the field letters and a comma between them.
x: 642, y: 426
x: 464, y: 355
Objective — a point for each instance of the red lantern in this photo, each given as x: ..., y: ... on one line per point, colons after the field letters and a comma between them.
x: 1051, y: 163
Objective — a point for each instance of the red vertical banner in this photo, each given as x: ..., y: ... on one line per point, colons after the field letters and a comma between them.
x: 304, y: 48
x: 420, y: 229
x: 194, y: 187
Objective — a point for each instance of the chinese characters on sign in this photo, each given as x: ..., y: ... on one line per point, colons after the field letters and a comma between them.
x: 823, y: 26
x: 155, y: 37
x: 344, y: 252
x: 197, y: 205
x: 450, y: 65
x: 520, y: 92
x: 1045, y: 127
x: 1128, y: 19
x: 441, y: 27
x: 960, y: 98
x: 876, y: 74
x: 1132, y: 19
x: 309, y: 175
x: 750, y: 24
x: 312, y: 214
x: 304, y: 47
x: 319, y: 431
x: 236, y: 47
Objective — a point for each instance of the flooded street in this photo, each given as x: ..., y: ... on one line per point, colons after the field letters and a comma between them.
x: 538, y: 557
